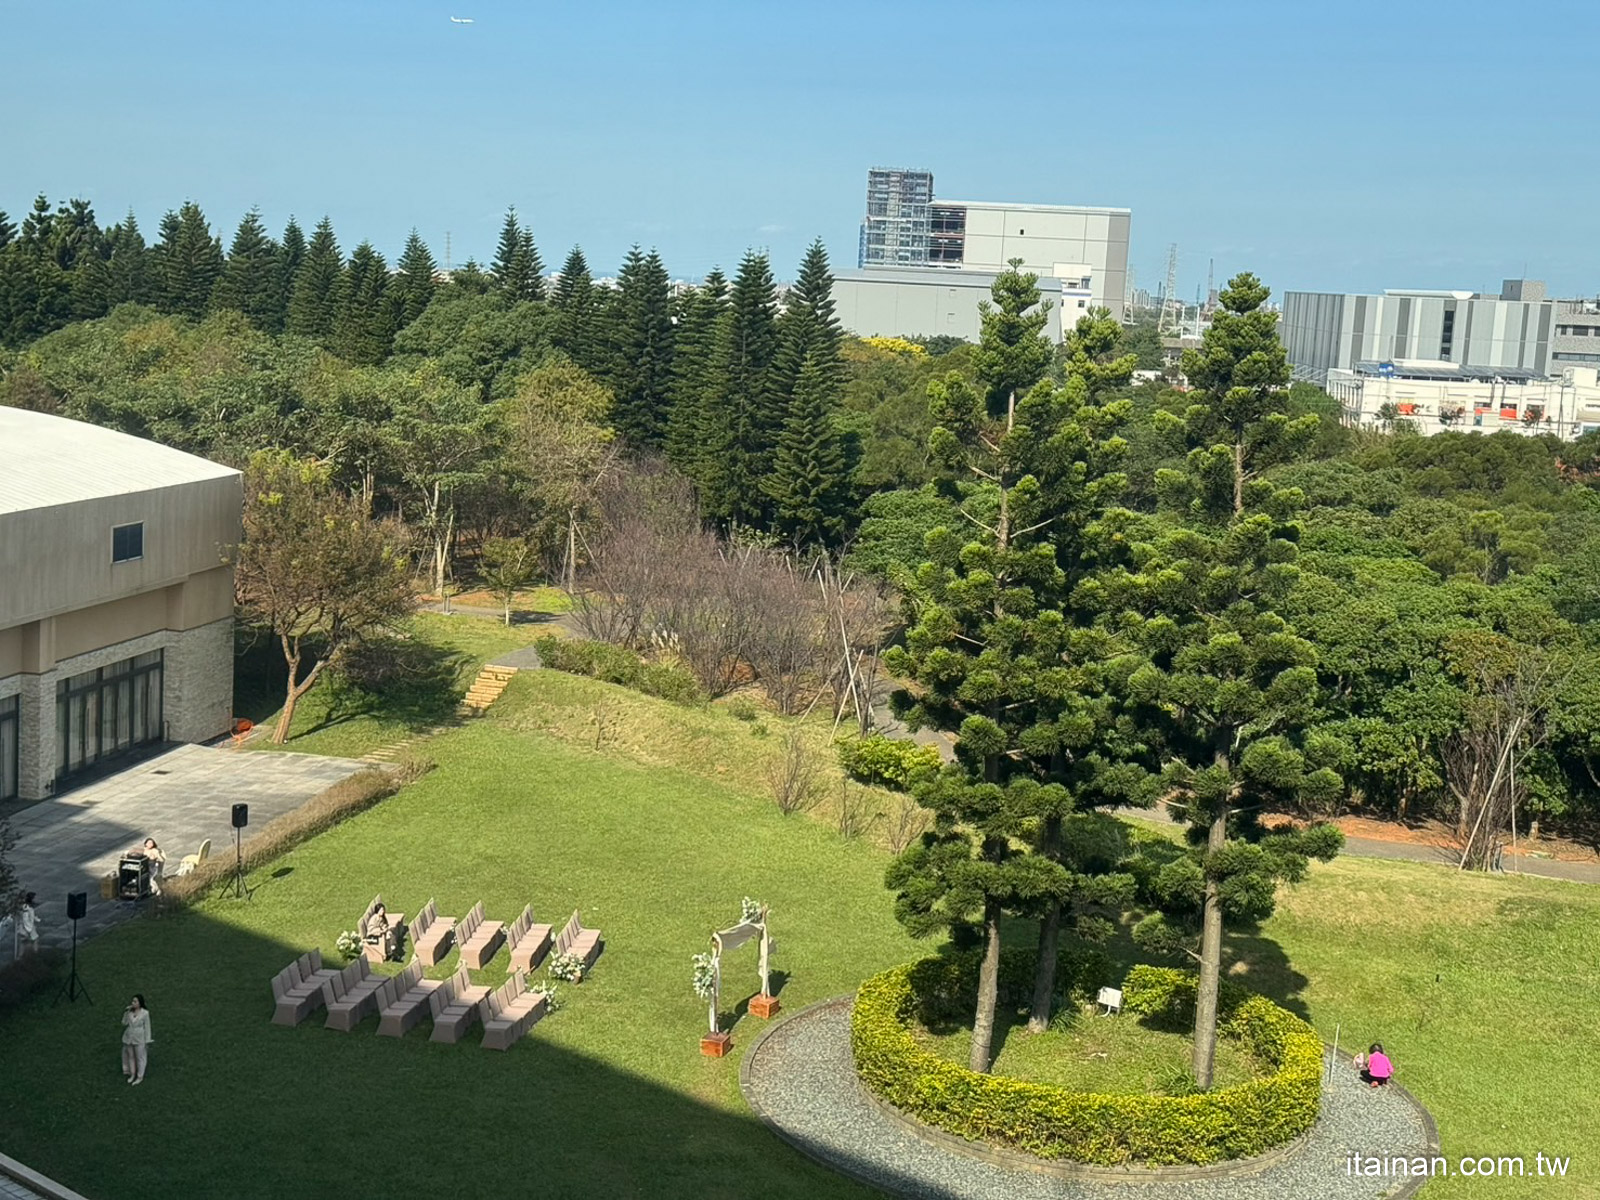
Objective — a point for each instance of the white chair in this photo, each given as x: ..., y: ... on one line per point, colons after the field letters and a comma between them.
x: 1110, y: 999
x: 190, y: 861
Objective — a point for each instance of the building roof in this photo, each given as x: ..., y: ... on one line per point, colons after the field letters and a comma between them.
x: 46, y: 461
x: 1098, y: 209
x: 1444, y: 372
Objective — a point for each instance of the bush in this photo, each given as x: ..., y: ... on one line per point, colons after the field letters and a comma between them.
x: 1058, y: 1123
x: 614, y: 664
x: 888, y: 762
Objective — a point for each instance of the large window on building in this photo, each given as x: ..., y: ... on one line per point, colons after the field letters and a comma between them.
x: 10, y: 743
x: 108, y: 712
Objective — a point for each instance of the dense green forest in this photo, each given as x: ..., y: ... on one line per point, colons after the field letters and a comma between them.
x: 1445, y: 590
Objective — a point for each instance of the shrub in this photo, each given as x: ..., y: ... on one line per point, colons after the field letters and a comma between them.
x: 741, y: 708
x: 793, y: 776
x: 614, y: 664
x: 1058, y: 1123
x: 888, y: 762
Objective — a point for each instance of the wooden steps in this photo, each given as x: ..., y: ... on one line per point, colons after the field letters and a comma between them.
x: 486, y: 689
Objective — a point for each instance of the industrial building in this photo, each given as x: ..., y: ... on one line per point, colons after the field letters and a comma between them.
x: 1085, y: 248
x: 1432, y: 397
x: 912, y: 302
x: 1514, y: 331
x: 116, y: 610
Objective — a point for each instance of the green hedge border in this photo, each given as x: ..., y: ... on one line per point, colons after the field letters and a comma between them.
x: 1106, y: 1130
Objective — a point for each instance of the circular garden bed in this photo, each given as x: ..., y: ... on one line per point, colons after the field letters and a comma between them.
x: 1050, y: 1121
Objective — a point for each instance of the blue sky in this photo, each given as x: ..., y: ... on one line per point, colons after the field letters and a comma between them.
x: 1324, y: 145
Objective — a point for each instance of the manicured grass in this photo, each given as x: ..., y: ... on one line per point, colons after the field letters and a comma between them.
x: 1094, y: 1054
x: 610, y: 1096
x: 445, y: 654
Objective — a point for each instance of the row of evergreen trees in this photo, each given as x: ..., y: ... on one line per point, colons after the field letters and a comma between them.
x: 739, y: 390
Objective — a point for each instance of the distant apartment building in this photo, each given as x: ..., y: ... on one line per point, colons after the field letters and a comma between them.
x: 1079, y: 253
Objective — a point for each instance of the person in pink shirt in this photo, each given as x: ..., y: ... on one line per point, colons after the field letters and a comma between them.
x: 1378, y: 1069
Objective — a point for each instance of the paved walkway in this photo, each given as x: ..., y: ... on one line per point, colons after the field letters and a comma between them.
x: 801, y: 1080
x: 179, y: 797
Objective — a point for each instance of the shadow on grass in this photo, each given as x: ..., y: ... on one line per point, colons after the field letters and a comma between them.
x: 235, y: 1106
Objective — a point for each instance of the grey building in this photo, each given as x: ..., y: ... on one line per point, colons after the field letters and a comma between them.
x: 911, y: 301
x: 116, y: 608
x: 1085, y: 248
x: 1324, y: 331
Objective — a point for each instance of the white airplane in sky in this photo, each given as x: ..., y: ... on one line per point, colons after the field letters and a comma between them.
x: 462, y: 20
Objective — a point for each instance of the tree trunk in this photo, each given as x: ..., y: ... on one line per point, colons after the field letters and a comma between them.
x: 1205, y: 1000
x: 508, y: 610
x: 1238, y: 478
x: 988, y: 989
x: 1044, y: 972
x: 296, y: 688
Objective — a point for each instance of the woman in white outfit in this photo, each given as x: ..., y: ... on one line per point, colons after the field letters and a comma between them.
x: 136, y: 1040
x: 28, y: 925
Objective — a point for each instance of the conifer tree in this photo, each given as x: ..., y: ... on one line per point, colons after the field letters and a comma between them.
x: 291, y: 254
x: 363, y: 328
x: 741, y: 419
x: 8, y: 231
x: 38, y: 227
x: 641, y: 376
x: 75, y: 234
x: 91, y: 281
x: 129, y: 265
x: 577, y: 329
x: 414, y: 282
x: 696, y: 338
x: 809, y: 485
x: 518, y: 270
x: 808, y: 327
x: 250, y: 280
x: 996, y: 660
x: 470, y: 279
x: 1227, y: 683
x: 190, y: 262
x: 314, y: 302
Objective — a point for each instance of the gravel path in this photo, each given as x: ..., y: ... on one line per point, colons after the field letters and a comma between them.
x: 802, y: 1080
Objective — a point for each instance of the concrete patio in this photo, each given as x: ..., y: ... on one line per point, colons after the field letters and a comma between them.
x: 180, y: 797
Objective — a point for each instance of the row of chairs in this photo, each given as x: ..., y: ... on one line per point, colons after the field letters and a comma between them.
x: 354, y: 993
x: 480, y: 939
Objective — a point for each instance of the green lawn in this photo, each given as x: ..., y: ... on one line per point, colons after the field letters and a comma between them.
x: 610, y: 1095
x: 442, y: 656
x: 1094, y: 1054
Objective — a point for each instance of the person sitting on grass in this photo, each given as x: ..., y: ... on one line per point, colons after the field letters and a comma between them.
x: 1377, y: 1069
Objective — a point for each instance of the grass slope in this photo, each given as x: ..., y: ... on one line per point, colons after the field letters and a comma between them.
x: 610, y: 1096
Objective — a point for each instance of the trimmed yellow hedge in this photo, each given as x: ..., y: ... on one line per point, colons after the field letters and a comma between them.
x: 1109, y: 1130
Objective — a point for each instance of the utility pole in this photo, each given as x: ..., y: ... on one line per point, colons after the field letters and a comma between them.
x: 447, y: 252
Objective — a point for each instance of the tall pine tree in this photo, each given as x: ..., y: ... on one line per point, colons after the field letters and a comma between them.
x: 809, y: 485
x: 414, y: 282
x: 808, y: 327
x: 696, y: 338
x: 741, y: 416
x: 314, y: 303
x: 641, y: 375
x: 190, y: 262
x: 291, y: 253
x: 250, y: 280
x: 577, y: 328
x: 363, y: 329
x: 129, y: 265
x: 518, y: 270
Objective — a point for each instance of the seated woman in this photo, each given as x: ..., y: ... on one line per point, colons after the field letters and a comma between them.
x: 1377, y: 1070
x: 379, y: 932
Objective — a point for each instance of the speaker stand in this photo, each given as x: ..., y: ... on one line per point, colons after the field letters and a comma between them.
x: 74, y: 987
x: 240, y: 892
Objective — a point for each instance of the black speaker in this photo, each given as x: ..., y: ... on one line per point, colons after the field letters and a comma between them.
x: 241, y: 815
x: 77, y: 905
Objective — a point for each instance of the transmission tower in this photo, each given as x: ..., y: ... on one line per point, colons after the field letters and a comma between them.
x: 1169, y: 294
